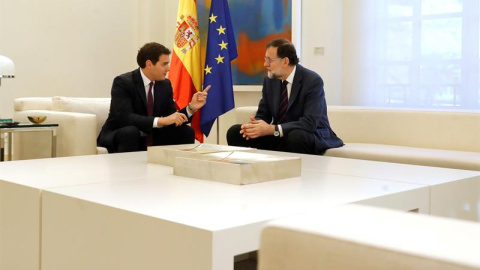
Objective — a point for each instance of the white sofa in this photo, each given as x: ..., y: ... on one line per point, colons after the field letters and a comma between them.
x: 80, y: 121
x: 436, y: 138
x: 359, y: 237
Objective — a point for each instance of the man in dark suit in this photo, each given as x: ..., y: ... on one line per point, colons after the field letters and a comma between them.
x: 142, y: 109
x: 292, y: 114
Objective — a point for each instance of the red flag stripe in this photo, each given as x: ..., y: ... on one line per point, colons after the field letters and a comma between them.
x: 181, y: 77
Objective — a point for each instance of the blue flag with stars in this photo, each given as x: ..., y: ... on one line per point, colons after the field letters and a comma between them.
x: 221, y: 49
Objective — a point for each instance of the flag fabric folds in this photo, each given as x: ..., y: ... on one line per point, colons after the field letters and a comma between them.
x: 221, y: 49
x: 186, y: 68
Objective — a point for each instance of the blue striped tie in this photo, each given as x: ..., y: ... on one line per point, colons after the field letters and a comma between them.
x: 282, y: 109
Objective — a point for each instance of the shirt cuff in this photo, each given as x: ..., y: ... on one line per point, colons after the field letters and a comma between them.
x: 155, y: 121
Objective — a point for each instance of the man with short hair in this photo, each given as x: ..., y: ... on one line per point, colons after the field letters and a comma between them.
x: 142, y: 109
x: 292, y: 114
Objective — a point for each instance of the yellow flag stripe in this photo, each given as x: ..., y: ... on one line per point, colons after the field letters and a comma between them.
x: 189, y: 53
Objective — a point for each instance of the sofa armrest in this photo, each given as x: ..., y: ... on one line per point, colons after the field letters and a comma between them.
x: 244, y: 113
x: 76, y: 133
x: 101, y: 150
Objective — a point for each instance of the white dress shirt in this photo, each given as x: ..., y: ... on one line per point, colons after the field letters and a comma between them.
x: 146, y: 84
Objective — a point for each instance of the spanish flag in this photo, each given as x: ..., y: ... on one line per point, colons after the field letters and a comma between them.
x: 186, y: 67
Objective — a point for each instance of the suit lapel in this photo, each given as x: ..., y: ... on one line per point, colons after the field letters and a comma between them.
x: 139, y: 87
x: 276, y: 97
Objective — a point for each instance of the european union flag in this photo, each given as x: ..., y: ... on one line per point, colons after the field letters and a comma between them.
x: 221, y: 49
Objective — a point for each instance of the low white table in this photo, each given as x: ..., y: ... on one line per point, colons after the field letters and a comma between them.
x: 172, y: 222
x: 119, y: 210
x: 453, y: 193
x: 21, y: 185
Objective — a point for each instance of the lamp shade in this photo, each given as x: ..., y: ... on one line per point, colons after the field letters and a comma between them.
x: 7, y: 68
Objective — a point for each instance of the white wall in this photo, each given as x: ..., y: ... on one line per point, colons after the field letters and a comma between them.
x: 77, y: 47
x: 339, y: 27
x: 322, y: 27
x: 357, y: 51
x: 66, y: 47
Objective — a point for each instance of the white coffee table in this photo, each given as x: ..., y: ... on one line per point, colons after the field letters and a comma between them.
x: 453, y: 193
x: 171, y: 222
x: 164, y: 215
x: 21, y: 185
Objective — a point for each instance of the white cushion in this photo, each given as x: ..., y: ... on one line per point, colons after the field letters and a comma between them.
x: 97, y: 106
x: 409, y: 155
x: 359, y: 237
x: 244, y: 113
x: 426, y: 128
x: 32, y: 103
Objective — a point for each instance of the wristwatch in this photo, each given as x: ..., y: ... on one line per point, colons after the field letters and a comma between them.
x: 191, y: 108
x: 276, y: 133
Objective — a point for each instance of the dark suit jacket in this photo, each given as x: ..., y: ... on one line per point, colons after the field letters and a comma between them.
x: 307, y: 108
x: 128, y: 106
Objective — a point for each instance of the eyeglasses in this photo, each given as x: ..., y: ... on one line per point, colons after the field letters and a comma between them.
x: 270, y: 60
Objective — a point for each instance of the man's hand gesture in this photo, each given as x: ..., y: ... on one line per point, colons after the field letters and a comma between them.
x: 256, y: 128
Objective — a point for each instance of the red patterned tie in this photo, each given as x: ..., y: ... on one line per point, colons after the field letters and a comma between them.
x: 150, y: 112
x: 282, y: 109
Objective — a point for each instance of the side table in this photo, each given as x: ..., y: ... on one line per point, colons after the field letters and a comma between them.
x: 9, y: 129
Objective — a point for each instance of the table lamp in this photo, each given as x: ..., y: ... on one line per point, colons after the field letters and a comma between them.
x: 7, y: 69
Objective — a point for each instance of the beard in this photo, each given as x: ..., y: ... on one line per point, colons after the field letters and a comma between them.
x: 272, y: 75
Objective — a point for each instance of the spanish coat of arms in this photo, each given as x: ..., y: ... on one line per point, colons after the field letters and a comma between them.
x: 187, y: 33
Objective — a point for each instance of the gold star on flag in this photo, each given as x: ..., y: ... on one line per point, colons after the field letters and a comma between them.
x: 221, y: 30
x: 219, y: 59
x: 208, y: 70
x: 213, y: 18
x: 223, y: 45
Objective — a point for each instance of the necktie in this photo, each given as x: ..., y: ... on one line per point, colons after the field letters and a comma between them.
x: 149, y: 141
x: 150, y: 100
x: 282, y: 109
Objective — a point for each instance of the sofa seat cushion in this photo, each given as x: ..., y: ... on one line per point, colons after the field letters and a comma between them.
x: 409, y: 155
x: 97, y: 106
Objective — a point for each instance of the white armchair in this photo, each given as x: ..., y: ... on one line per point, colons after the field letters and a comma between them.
x: 360, y: 237
x: 80, y: 121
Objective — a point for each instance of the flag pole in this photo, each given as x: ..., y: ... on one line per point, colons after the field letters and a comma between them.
x: 218, y: 130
